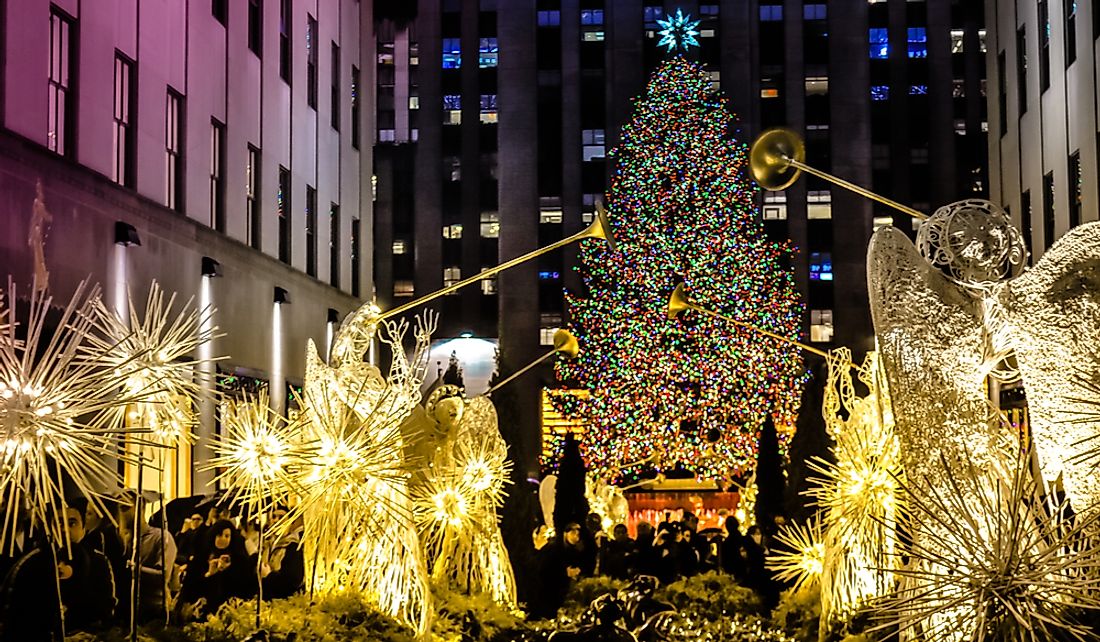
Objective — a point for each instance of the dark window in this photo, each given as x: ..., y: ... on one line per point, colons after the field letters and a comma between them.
x: 1025, y: 221
x: 311, y: 231
x: 60, y: 118
x: 256, y: 27
x: 355, y: 252
x: 217, y: 175
x: 334, y: 245
x: 549, y: 18
x: 122, y: 161
x: 355, y: 107
x: 220, y: 9
x: 253, y: 222
x: 1048, y: 210
x: 311, y: 61
x: 1021, y: 68
x: 1002, y: 91
x: 173, y: 147
x: 1044, y: 45
x: 1070, y: 9
x: 1075, y: 189
x: 334, y: 99
x: 771, y: 13
x: 282, y: 200
x: 284, y: 39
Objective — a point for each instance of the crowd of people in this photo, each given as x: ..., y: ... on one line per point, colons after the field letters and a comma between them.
x: 671, y: 551
x: 87, y: 584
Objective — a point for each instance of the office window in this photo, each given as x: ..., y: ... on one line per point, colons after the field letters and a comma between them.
x: 708, y: 10
x: 981, y: 40
x: 1048, y: 210
x: 592, y: 144
x: 356, y: 253
x: 490, y: 225
x: 60, y: 117
x: 918, y: 42
x: 1069, y: 7
x: 452, y: 168
x: 546, y: 336
x: 771, y: 12
x: 122, y: 161
x: 1002, y: 92
x: 400, y: 246
x: 451, y: 275
x: 592, y: 35
x: 549, y: 18
x: 452, y: 53
x: 821, y: 326
x: 550, y: 214
x: 487, y: 51
x: 1025, y: 221
x: 1021, y: 68
x: 256, y: 27
x: 452, y: 109
x: 549, y: 275
x: 403, y: 289
x: 220, y: 11
x: 489, y: 285
x: 591, y: 16
x: 173, y: 148
x: 488, y: 113
x: 311, y: 230
x: 958, y: 88
x: 879, y: 39
x: 311, y: 61
x: 775, y: 206
x: 1044, y: 45
x: 282, y: 202
x: 817, y: 85
x: 1075, y: 189
x: 918, y: 90
x: 252, y: 221
x: 957, y: 40
x: 821, y: 266
x: 285, y: 14
x: 217, y: 175
x: 882, y: 221
x: 819, y: 204
x: 334, y: 91
x: 880, y: 92
x: 355, y: 107
x: 813, y: 12
x: 334, y: 245
x: 452, y: 231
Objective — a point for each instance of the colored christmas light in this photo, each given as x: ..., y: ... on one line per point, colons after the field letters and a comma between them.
x: 682, y: 208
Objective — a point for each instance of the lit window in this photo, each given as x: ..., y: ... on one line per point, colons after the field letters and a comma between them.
x: 957, y: 37
x: 879, y: 39
x: 452, y: 109
x: 769, y: 92
x: 549, y: 18
x: 817, y: 85
x: 880, y: 92
x: 489, y: 285
x: 821, y: 326
x: 547, y: 215
x: 819, y: 204
x: 488, y: 112
x: 403, y: 289
x: 771, y: 12
x: 414, y: 102
x: 775, y: 206
x: 588, y: 203
x: 981, y: 40
x: 813, y: 12
x: 400, y: 246
x: 451, y: 275
x: 821, y: 266
x: 546, y: 336
x: 452, y: 53
x: 918, y: 90
x: 548, y: 275
x: 958, y: 88
x: 592, y: 16
x: 715, y: 79
x: 453, y: 231
x: 883, y: 221
x: 918, y: 42
x: 592, y: 36
x: 487, y: 52
x: 592, y: 141
x: 490, y: 225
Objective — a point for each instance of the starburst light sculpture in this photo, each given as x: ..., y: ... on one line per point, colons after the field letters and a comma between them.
x: 801, y: 556
x: 678, y: 31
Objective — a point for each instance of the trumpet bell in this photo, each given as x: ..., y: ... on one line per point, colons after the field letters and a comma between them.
x: 600, y: 228
x: 678, y: 302
x: 771, y: 155
x: 566, y: 344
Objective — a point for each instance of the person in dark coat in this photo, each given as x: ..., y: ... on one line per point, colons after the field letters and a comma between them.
x: 220, y: 569
x: 733, y: 550
x: 617, y: 555
x: 562, y: 563
x: 285, y: 568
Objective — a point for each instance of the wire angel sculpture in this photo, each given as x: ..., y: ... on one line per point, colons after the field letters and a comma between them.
x: 457, y: 494
x: 58, y: 394
x: 354, y: 502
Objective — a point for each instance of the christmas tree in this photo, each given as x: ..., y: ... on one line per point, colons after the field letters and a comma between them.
x: 693, y: 391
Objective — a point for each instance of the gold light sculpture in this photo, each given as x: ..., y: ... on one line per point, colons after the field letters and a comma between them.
x: 354, y: 503
x: 859, y: 492
x: 455, y: 502
x: 801, y: 556
x: 1007, y: 569
x: 56, y: 402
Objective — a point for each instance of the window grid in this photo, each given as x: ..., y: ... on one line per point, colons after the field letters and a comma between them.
x: 285, y: 15
x: 59, y: 118
x: 355, y: 107
x: 1021, y: 68
x: 334, y: 98
x: 252, y: 198
x: 1048, y: 210
x: 122, y: 162
x: 1044, y: 45
x: 311, y: 61
x: 334, y: 245
x: 255, y: 27
x: 1075, y: 189
x: 173, y: 146
x: 1070, y: 11
x: 282, y: 203
x: 356, y: 240
x: 311, y: 230
x: 217, y: 175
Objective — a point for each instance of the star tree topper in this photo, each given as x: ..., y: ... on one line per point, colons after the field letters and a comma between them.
x: 678, y: 32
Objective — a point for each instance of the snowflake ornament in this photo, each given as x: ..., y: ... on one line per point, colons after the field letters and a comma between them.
x: 678, y: 32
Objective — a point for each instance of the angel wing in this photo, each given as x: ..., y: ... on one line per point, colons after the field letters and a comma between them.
x: 930, y: 340
x: 1053, y: 314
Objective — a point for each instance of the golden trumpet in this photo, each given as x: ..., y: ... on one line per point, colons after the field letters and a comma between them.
x: 564, y: 344
x: 778, y: 156
x: 599, y: 229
